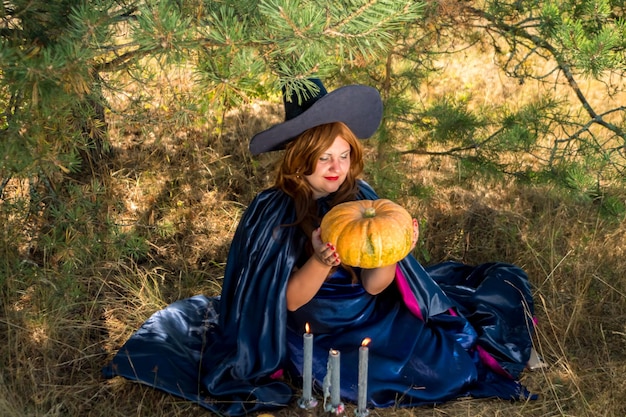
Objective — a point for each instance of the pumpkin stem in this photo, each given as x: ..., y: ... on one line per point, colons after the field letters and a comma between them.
x: 369, y: 212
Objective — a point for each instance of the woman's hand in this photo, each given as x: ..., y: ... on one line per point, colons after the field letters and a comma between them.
x: 324, y: 252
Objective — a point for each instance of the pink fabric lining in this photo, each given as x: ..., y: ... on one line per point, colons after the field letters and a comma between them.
x: 485, y: 357
x: 407, y: 294
x: 278, y: 374
x: 491, y: 362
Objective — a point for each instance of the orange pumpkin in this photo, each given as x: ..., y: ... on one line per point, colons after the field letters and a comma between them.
x: 369, y: 233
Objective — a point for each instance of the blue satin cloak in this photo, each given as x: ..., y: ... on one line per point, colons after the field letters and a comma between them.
x: 224, y: 352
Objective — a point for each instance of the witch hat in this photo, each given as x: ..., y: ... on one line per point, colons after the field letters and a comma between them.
x: 358, y: 106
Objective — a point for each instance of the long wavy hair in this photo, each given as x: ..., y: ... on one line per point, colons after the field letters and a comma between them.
x: 300, y: 159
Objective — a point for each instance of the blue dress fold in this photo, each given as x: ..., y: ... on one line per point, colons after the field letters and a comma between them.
x: 443, y: 332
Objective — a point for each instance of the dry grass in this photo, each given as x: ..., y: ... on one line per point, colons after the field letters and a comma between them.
x: 182, y: 183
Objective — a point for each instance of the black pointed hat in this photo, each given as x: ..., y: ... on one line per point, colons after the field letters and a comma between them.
x: 358, y: 106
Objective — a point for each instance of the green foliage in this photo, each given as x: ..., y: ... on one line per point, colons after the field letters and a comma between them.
x: 451, y: 122
x: 612, y: 206
x: 580, y: 183
x: 471, y: 168
x: 578, y: 178
x: 524, y: 127
x: 588, y: 38
x: 386, y: 177
x: 130, y: 246
x: 308, y: 31
x: 162, y: 29
x: 47, y: 89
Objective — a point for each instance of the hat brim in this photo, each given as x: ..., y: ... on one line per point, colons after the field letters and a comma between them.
x: 358, y: 106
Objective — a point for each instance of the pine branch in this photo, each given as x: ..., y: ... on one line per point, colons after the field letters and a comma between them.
x: 454, y: 151
x: 599, y: 119
x: 336, y: 30
x: 294, y: 27
x: 121, y: 61
x: 562, y: 64
x: 346, y: 20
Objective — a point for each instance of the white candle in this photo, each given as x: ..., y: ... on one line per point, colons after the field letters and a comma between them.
x: 331, y: 384
x: 363, y: 364
x: 334, y: 357
x: 307, y: 368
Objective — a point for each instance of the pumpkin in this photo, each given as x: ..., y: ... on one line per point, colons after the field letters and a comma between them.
x: 369, y: 233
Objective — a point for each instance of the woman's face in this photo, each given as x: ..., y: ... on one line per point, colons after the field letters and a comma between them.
x: 331, y: 169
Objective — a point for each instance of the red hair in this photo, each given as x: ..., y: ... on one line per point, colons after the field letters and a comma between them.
x: 300, y: 159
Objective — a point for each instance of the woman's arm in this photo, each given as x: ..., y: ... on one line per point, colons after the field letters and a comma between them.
x: 306, y: 281
x: 376, y: 280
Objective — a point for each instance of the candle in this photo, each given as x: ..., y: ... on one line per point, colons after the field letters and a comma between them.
x: 331, y: 384
x: 334, y: 357
x: 307, y: 400
x: 361, y: 410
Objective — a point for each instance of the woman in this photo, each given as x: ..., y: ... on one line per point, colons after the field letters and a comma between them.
x: 449, y: 332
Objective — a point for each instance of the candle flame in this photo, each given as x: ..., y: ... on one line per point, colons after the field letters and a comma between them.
x: 307, y: 328
x: 366, y: 341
